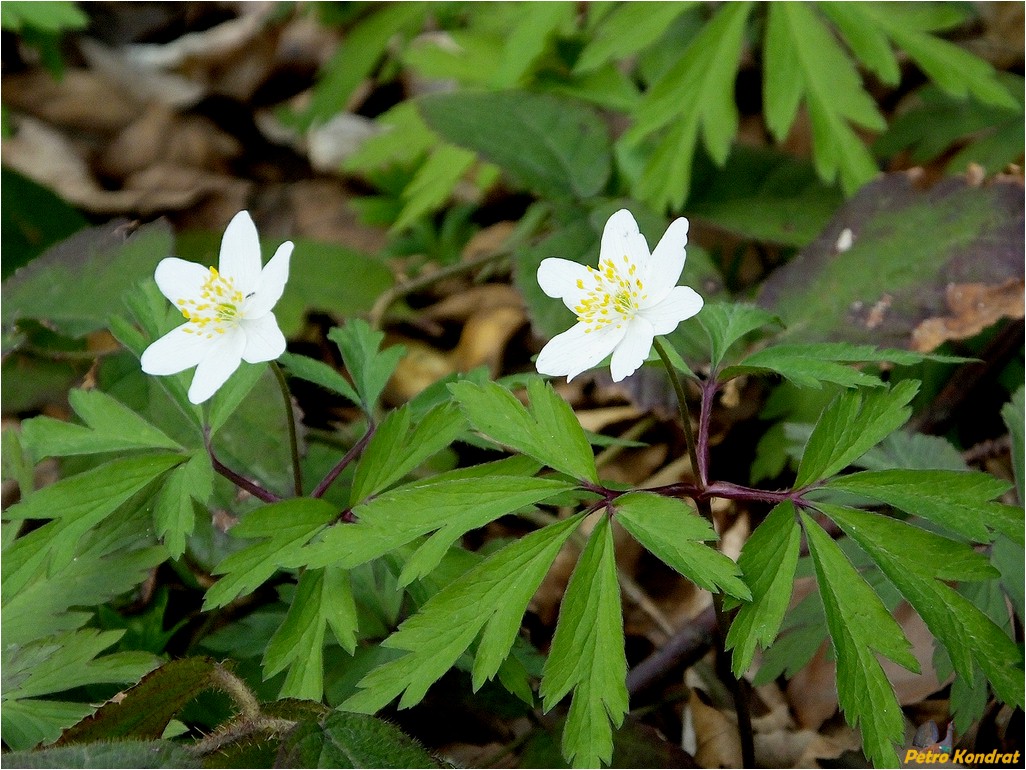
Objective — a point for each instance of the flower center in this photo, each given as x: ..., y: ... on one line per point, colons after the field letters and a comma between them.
x: 613, y: 295
x: 217, y: 309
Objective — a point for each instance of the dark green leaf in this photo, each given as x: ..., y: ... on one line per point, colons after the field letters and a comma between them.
x: 626, y: 30
x: 587, y: 654
x: 127, y: 754
x: 726, y: 323
x: 352, y: 741
x: 174, y: 512
x: 1013, y: 414
x: 768, y: 562
x: 674, y: 532
x: 145, y: 709
x: 319, y: 373
x: 553, y: 147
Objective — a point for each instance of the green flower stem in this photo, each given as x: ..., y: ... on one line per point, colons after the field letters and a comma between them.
x: 697, y: 451
x: 297, y: 472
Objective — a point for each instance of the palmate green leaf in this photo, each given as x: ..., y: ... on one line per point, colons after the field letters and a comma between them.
x: 55, y: 665
x: 672, y: 530
x: 587, y: 654
x: 174, y: 512
x: 369, y: 367
x: 948, y: 65
x: 324, y: 597
x: 81, y: 502
x: 803, y: 61
x: 627, y: 29
x: 918, y: 562
x: 319, y: 373
x: 110, y: 426
x: 727, y: 322
x: 957, y: 500
x: 286, y: 527
x: 860, y: 626
x: 852, y: 424
x: 696, y: 94
x: 1013, y: 414
x: 491, y: 596
x: 448, y: 504
x: 768, y: 561
x: 549, y: 432
x: 398, y: 448
x: 556, y: 148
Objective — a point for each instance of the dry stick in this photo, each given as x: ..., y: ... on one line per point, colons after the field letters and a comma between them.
x: 384, y: 301
x: 697, y: 451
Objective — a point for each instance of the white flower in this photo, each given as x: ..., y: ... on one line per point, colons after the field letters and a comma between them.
x: 228, y: 311
x: 622, y: 305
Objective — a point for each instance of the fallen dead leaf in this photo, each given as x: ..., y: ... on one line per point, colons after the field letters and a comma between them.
x: 972, y: 307
x: 72, y: 101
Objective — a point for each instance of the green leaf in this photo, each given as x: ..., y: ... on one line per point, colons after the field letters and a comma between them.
x: 811, y: 364
x: 726, y: 323
x: 145, y: 709
x: 110, y: 426
x: 674, y: 532
x: 26, y: 723
x: 287, y: 526
x: 587, y: 654
x: 768, y: 561
x: 229, y: 397
x: 802, y: 60
x: 866, y: 40
x: 853, y: 423
x: 369, y: 367
x: 354, y: 60
x: 1013, y: 414
x: 78, y: 284
x: 948, y: 65
x: 352, y: 741
x: 491, y: 596
x: 917, y: 563
x: 129, y: 754
x: 859, y: 626
x: 319, y: 373
x: 696, y: 94
x: 912, y: 451
x: 451, y: 503
x: 323, y: 597
x: 549, y: 432
x: 49, y: 17
x: 397, y: 448
x: 174, y: 512
x: 556, y: 148
x: 530, y: 35
x: 433, y: 184
x: 626, y: 30
x: 957, y: 500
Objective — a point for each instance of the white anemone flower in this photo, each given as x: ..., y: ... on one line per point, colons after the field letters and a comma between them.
x: 623, y: 304
x: 228, y: 311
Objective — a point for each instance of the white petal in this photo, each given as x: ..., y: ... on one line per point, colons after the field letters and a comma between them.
x: 575, y: 351
x: 632, y: 350
x: 224, y: 354
x: 178, y: 279
x: 667, y: 262
x: 559, y: 277
x: 680, y: 304
x: 176, y: 351
x: 240, y: 253
x: 264, y: 340
x: 621, y: 238
x: 272, y: 283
